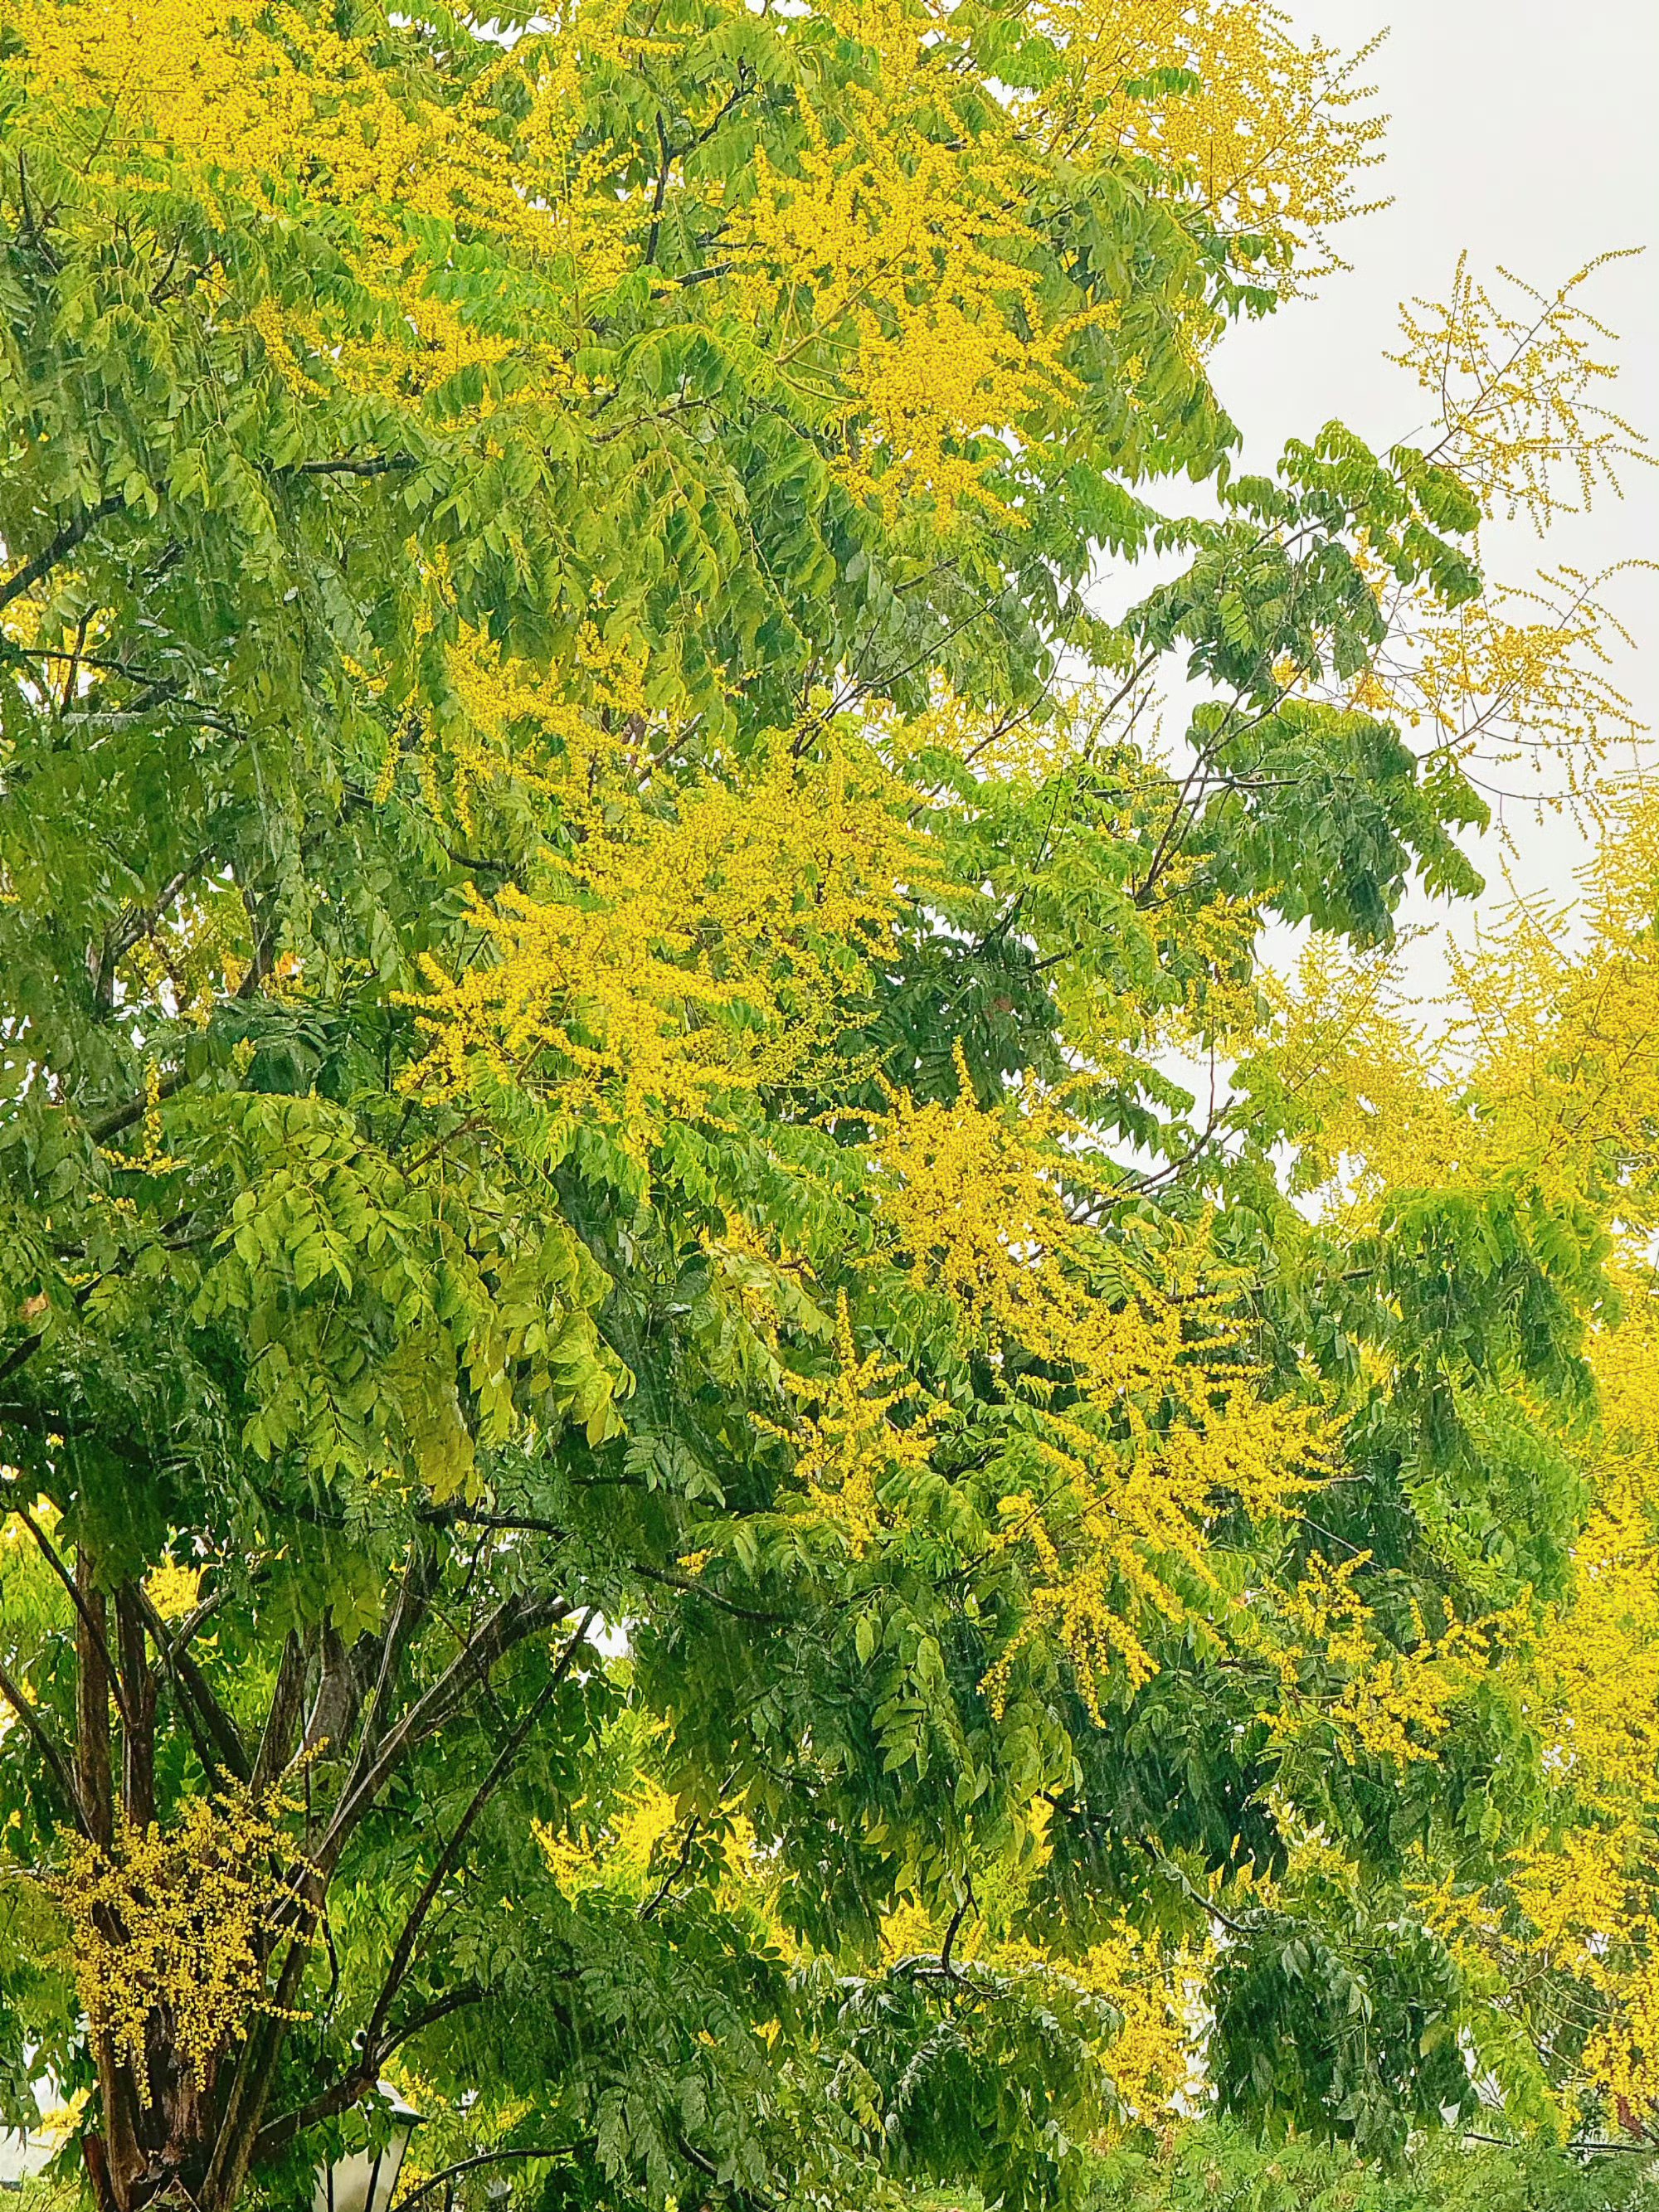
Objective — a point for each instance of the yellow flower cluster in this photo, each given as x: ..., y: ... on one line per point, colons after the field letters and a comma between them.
x: 924, y: 333
x: 848, y: 1445
x: 683, y: 956
x: 169, y: 1928
x: 1548, y: 1075
x: 618, y: 1858
x: 1515, y: 386
x: 218, y: 90
x: 1164, y: 1423
x: 1150, y: 1978
x: 576, y: 735
x: 1393, y: 1703
x: 1156, y: 2057
x: 1547, y: 1080
x: 1269, y: 133
x: 1517, y: 675
x: 885, y: 269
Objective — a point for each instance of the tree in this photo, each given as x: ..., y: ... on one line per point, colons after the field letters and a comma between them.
x: 1542, y: 1102
x: 624, y: 1374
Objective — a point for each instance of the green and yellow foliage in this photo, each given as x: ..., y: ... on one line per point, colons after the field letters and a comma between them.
x: 657, y: 1477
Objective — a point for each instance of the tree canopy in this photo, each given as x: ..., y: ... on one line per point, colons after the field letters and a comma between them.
x: 658, y: 1471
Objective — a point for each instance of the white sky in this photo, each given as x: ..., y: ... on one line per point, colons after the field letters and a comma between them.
x: 1525, y: 131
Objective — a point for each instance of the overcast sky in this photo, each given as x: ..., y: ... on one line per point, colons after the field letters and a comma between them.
x: 1524, y: 130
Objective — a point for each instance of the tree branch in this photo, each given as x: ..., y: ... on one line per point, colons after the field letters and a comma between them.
x: 25, y: 579
x: 372, y: 464
x: 339, y: 2097
x: 123, y: 1117
x: 506, y: 1626
x: 92, y: 1732
x: 193, y: 1683
x: 403, y: 1949
x: 48, y: 1750
x: 467, y: 2165
x: 516, y: 1523
x: 138, y: 1700
x: 1189, y: 1889
x: 659, y: 1897
x: 89, y: 1621
x: 408, y: 1608
x: 232, y: 2151
x: 282, y: 1727
x: 21, y: 1353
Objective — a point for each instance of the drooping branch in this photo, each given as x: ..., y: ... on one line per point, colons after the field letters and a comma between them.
x: 58, y: 548
x: 705, y: 2166
x: 519, y: 1523
x: 468, y: 2165
x: 664, y: 1890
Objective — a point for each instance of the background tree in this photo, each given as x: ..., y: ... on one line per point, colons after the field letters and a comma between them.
x: 654, y: 1468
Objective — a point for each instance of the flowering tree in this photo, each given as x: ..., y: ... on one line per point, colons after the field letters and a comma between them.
x: 655, y: 1474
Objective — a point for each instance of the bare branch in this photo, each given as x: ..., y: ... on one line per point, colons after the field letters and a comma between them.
x: 403, y: 1949
x: 123, y: 1117
x: 659, y: 1897
x: 192, y: 1685
x: 340, y: 2096
x: 371, y: 464
x: 282, y: 1727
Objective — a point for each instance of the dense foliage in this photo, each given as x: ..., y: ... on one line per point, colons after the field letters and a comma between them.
x: 1216, y: 2167
x: 656, y: 1472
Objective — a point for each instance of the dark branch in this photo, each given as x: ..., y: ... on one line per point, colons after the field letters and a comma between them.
x: 522, y: 1524
x: 48, y: 1750
x: 373, y: 464
x: 403, y: 1949
x: 282, y: 1727
x: 340, y: 2096
x: 123, y: 1117
x: 21, y: 1353
x: 655, y: 1903
x: 25, y: 579
x: 506, y: 1626
x: 467, y: 2165
x: 88, y: 1619
x: 192, y: 1686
